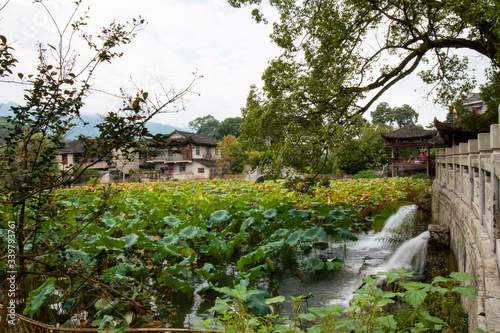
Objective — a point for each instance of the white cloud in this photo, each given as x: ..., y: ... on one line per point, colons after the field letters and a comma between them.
x: 229, y: 49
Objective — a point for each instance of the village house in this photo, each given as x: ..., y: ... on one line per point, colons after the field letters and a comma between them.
x: 188, y: 156
x: 184, y: 155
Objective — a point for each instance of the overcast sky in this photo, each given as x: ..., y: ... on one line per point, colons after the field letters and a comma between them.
x: 224, y: 44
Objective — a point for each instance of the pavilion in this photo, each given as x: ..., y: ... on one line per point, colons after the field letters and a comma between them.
x: 413, y: 137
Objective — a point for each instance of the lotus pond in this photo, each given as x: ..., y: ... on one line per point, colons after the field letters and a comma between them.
x: 146, y: 255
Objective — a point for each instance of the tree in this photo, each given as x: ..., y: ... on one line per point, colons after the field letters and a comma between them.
x: 205, y: 125
x: 233, y: 157
x: 229, y: 126
x: 33, y: 255
x: 339, y: 57
x: 365, y: 152
x: 469, y: 120
x: 400, y: 116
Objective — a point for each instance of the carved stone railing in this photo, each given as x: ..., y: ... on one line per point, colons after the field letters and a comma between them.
x: 466, y: 199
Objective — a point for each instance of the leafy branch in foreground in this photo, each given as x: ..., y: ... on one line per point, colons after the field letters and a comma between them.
x: 407, y: 307
x: 37, y: 130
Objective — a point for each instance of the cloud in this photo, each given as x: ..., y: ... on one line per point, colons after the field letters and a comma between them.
x: 229, y: 49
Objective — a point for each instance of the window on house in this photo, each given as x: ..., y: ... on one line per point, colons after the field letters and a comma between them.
x: 208, y: 151
x: 170, y: 153
x: 197, y: 150
x: 64, y: 158
x: 182, y: 167
x: 216, y: 152
x: 201, y: 170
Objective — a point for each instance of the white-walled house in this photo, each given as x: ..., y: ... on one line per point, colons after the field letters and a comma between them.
x: 184, y: 156
x: 74, y: 153
x: 188, y: 156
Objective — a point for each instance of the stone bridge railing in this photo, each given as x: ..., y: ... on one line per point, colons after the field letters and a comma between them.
x: 466, y: 199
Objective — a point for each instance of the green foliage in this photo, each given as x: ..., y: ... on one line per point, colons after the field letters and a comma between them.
x: 205, y: 125
x: 48, y: 232
x: 330, y: 72
x: 420, y: 176
x: 365, y: 152
x: 229, y: 126
x: 400, y: 116
x: 233, y: 156
x: 123, y: 235
x: 408, y: 307
x: 366, y: 174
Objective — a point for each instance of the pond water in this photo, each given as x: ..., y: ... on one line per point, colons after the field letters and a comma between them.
x: 363, y: 257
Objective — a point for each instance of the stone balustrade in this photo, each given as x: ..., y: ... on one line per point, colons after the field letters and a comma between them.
x: 466, y: 199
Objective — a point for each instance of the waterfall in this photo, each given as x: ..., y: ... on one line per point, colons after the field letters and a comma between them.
x: 404, y: 214
x: 410, y: 255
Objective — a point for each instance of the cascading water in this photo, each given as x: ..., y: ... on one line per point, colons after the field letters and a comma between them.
x: 410, y: 255
x: 336, y: 288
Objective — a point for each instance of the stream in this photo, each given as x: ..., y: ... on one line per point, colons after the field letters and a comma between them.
x: 366, y: 256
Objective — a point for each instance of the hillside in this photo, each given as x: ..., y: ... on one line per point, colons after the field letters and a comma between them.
x: 92, y: 120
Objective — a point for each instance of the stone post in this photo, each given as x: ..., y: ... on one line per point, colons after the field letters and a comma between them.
x: 465, y: 172
x: 473, y: 169
x: 484, y: 169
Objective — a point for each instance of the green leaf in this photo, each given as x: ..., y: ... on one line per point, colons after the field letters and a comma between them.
x: 191, y: 232
x: 307, y: 316
x: 39, y: 296
x: 303, y: 214
x: 130, y: 240
x: 461, y: 277
x: 346, y: 234
x: 313, y: 233
x: 112, y: 243
x: 430, y: 321
x: 109, y: 221
x: 467, y: 291
x: 415, y: 297
x: 313, y: 264
x: 277, y: 299
x: 333, y: 264
x: 439, y: 279
x: 369, y: 280
x: 294, y: 238
x: 172, y: 221
x: 69, y: 304
x: 336, y: 215
x: 248, y: 222
x: 219, y: 216
x: 270, y: 213
x: 258, y: 303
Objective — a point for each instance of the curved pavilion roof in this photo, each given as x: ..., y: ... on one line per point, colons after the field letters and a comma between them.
x: 409, y: 132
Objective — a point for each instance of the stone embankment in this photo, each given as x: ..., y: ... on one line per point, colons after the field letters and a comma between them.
x: 466, y: 200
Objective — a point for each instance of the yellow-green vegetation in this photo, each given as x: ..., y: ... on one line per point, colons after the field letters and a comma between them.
x: 113, y: 248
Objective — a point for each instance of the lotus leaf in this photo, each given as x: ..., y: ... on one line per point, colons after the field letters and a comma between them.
x: 270, y: 213
x: 172, y: 221
x: 313, y: 264
x: 219, y: 216
x: 313, y: 234
x: 258, y: 304
x: 191, y: 232
x: 248, y: 222
x: 337, y: 215
x: 130, y: 240
x: 39, y: 296
x: 294, y: 238
x: 303, y: 214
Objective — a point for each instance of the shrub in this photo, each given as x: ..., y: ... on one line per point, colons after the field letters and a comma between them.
x: 365, y: 174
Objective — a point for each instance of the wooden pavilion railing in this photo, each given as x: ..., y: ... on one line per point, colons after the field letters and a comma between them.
x: 27, y: 325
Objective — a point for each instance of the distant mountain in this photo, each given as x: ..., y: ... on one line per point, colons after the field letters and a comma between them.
x: 92, y: 120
